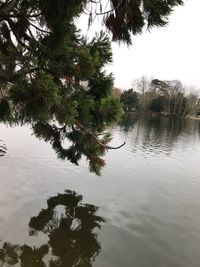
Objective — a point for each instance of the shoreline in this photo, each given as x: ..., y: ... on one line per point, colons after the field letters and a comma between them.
x: 154, y: 114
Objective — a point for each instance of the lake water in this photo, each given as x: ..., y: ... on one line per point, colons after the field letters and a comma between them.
x: 144, y: 211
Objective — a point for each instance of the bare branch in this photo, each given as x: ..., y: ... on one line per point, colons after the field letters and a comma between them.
x: 39, y: 29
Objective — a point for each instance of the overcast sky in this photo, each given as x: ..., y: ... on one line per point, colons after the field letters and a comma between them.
x: 172, y: 52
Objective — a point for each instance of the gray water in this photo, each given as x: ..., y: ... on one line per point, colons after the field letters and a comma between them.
x: 144, y: 211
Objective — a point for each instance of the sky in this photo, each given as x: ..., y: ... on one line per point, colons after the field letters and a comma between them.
x: 168, y: 53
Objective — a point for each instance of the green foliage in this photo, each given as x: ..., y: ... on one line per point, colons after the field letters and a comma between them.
x: 66, y: 111
x: 35, y: 97
x: 110, y: 109
x: 101, y: 85
x: 130, y: 100
x: 67, y: 101
x: 101, y: 46
x: 170, y: 95
x: 129, y: 17
x: 81, y: 143
x: 4, y: 109
x: 53, y: 78
x: 157, y: 104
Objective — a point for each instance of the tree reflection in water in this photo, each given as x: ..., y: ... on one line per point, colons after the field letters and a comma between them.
x: 69, y: 225
x: 157, y: 134
x: 2, y: 150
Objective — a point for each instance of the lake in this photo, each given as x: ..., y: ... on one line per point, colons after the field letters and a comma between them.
x: 143, y: 211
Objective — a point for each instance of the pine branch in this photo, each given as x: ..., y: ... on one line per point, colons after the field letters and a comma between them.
x: 86, y: 130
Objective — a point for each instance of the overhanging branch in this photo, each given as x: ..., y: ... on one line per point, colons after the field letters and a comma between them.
x: 86, y: 130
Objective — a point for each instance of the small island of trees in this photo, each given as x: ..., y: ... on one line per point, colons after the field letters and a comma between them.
x: 169, y: 98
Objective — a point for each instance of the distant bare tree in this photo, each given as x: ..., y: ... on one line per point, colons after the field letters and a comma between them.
x: 143, y: 86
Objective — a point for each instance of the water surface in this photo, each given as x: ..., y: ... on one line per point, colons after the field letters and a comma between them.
x: 143, y: 211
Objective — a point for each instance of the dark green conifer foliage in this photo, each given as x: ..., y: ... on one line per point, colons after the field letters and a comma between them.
x: 130, y: 100
x: 53, y: 78
x: 157, y: 104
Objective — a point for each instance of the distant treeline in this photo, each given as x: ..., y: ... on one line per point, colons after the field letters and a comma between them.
x: 169, y: 98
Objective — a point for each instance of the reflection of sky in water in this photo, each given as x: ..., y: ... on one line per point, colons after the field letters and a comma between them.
x: 148, y: 193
